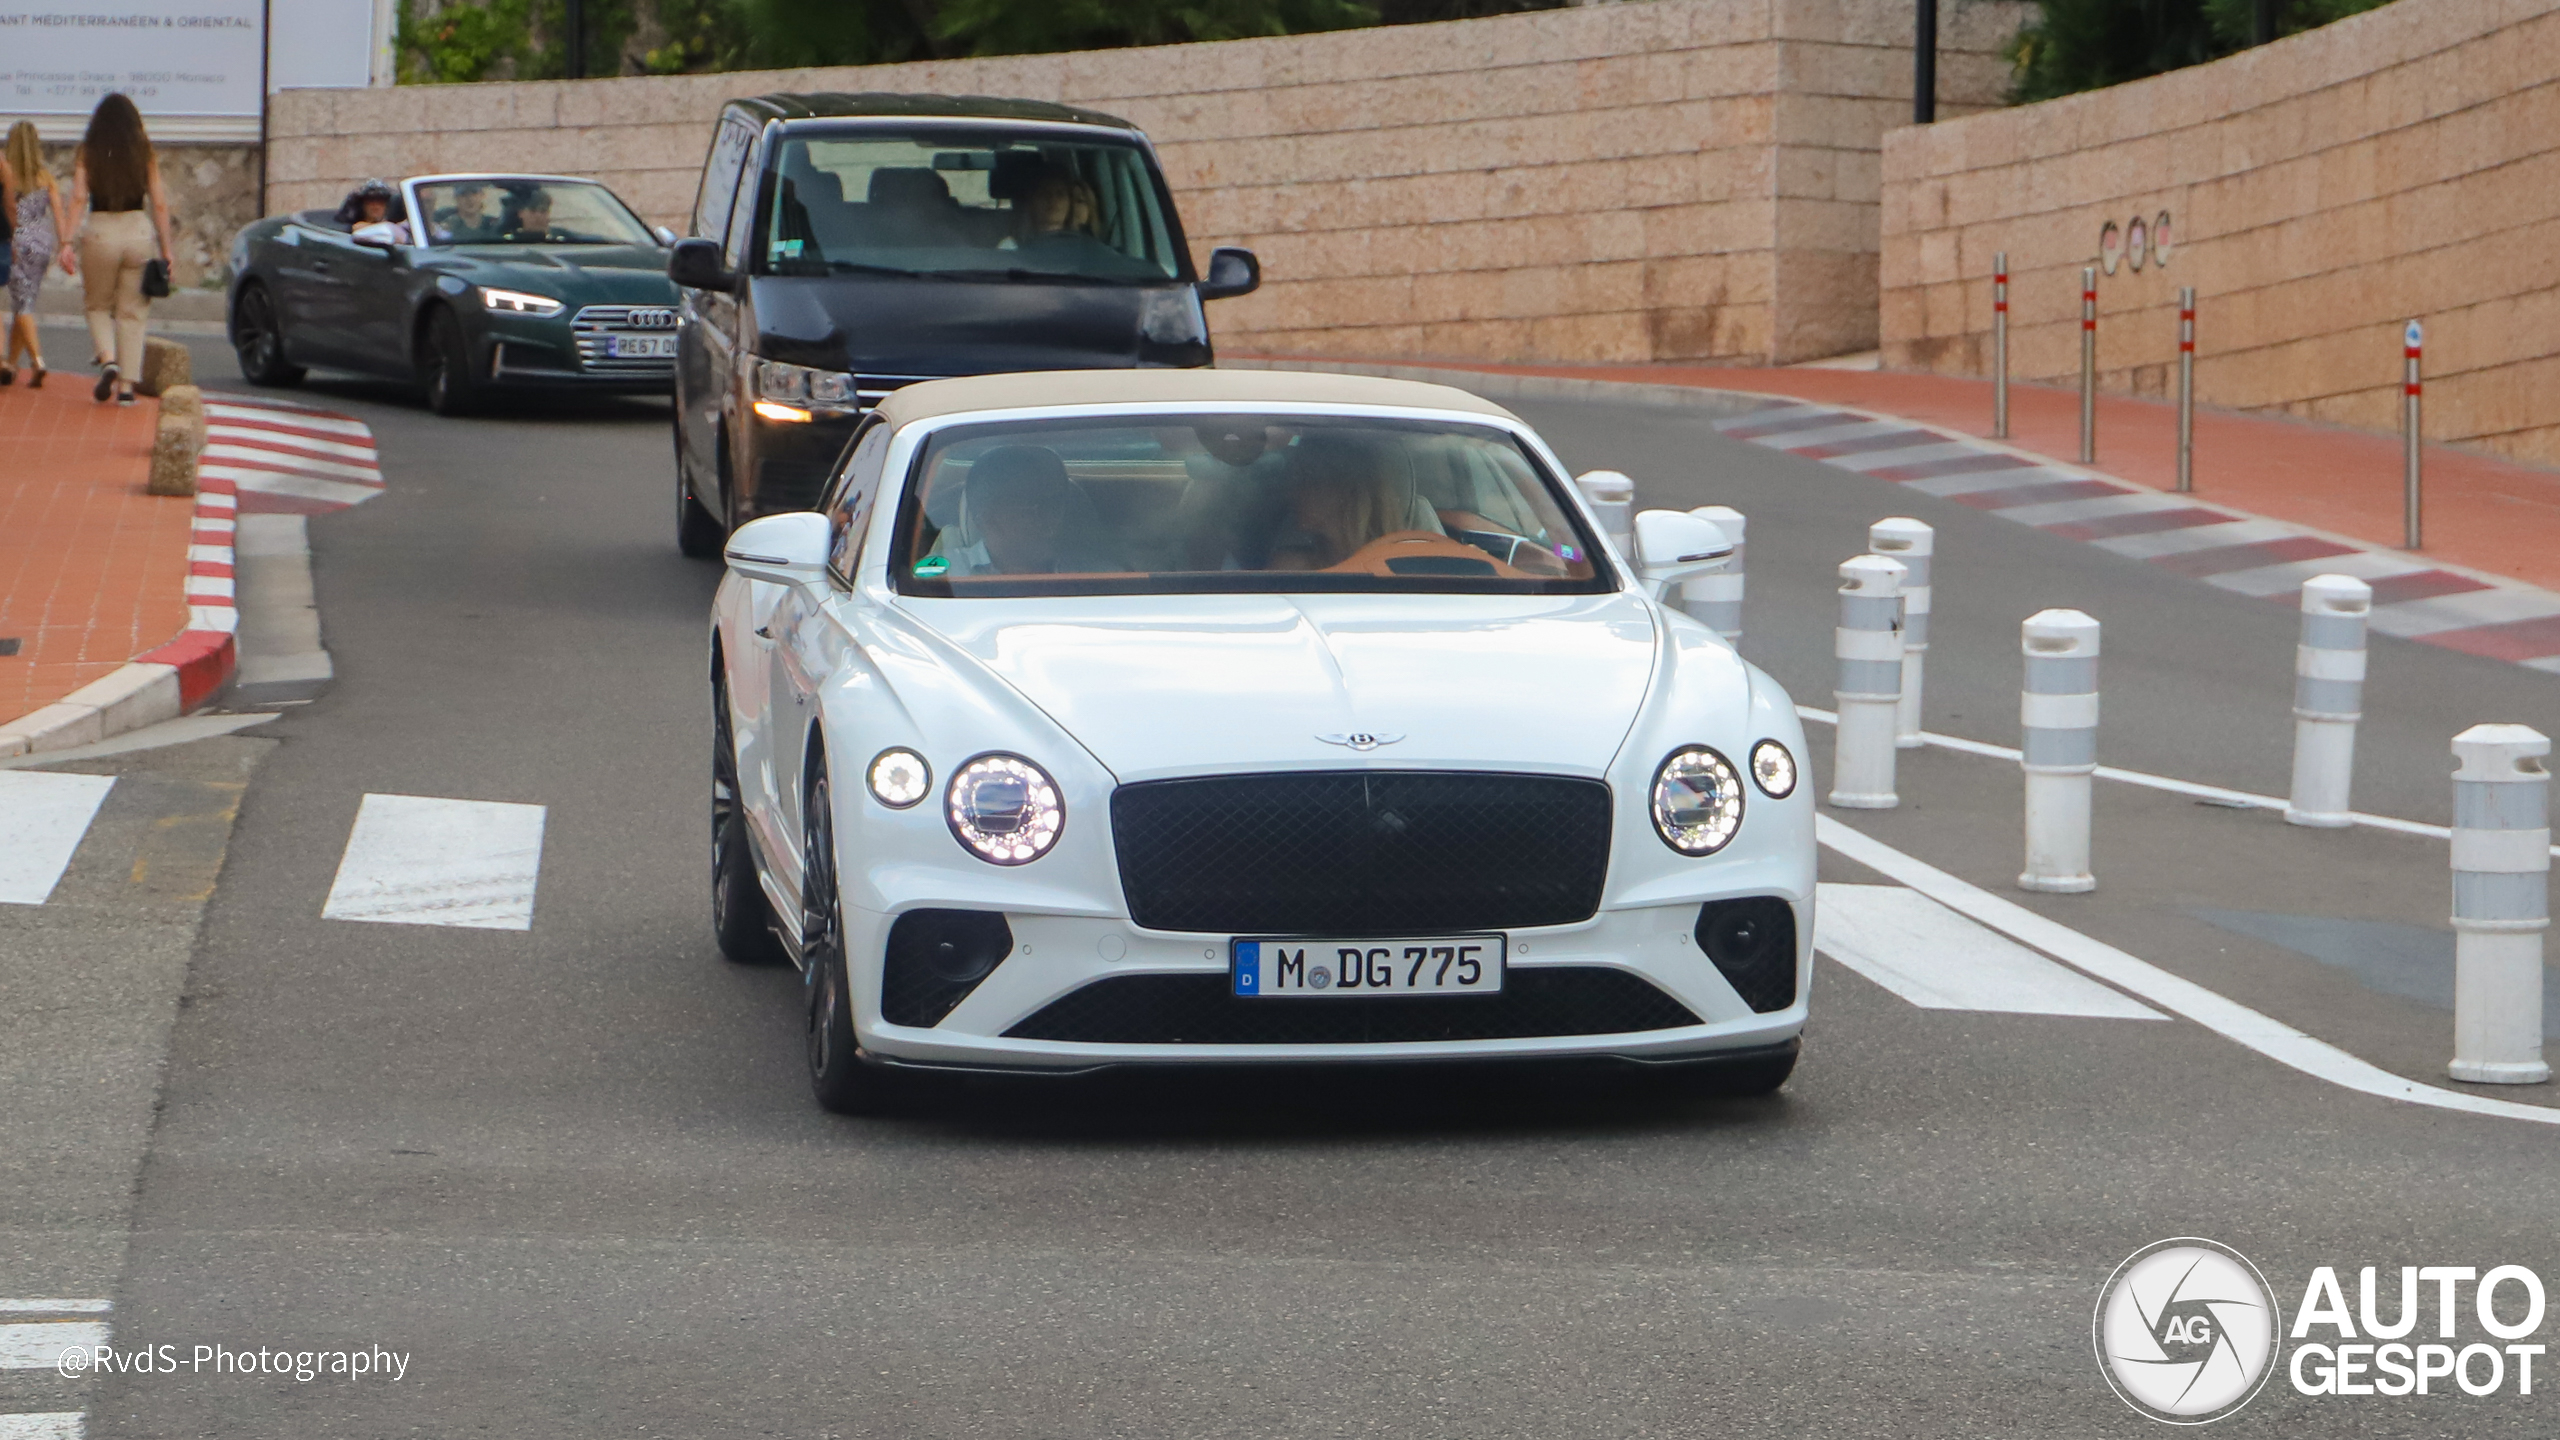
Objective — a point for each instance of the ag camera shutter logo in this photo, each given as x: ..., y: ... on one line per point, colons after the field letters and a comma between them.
x: 2186, y: 1331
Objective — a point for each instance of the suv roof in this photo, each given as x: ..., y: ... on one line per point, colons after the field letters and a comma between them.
x: 835, y: 104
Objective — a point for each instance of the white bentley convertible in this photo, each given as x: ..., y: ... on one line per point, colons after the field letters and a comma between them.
x: 1155, y: 717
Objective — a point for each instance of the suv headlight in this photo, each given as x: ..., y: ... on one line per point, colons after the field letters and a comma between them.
x: 1005, y: 810
x: 518, y: 302
x: 779, y: 386
x: 1697, y: 801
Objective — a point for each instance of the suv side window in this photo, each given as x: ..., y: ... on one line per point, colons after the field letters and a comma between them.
x: 742, y: 215
x: 848, y: 506
x: 720, y: 178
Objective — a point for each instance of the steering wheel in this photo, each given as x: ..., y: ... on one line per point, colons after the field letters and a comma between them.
x: 1377, y: 557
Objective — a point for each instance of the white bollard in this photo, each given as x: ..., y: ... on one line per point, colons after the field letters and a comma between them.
x: 1912, y: 543
x: 1612, y: 498
x: 2328, y: 697
x: 2501, y: 903
x: 1869, y: 644
x: 1715, y: 601
x: 2059, y: 712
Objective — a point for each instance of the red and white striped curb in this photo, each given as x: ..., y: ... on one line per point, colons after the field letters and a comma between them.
x: 2417, y: 599
x: 260, y: 456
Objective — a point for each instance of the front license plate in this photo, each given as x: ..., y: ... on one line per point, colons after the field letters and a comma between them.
x: 1349, y: 969
x: 640, y: 347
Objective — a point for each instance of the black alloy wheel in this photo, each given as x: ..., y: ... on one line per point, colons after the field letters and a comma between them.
x: 741, y: 917
x: 259, y: 340
x: 842, y: 1080
x: 444, y: 366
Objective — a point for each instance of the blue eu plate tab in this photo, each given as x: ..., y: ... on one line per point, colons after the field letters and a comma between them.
x: 1248, y: 967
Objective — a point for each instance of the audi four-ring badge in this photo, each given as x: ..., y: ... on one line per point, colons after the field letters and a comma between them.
x: 1149, y: 717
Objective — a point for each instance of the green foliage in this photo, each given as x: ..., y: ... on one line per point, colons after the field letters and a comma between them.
x: 462, y: 42
x: 2075, y: 45
x: 1023, y: 27
x: 789, y: 34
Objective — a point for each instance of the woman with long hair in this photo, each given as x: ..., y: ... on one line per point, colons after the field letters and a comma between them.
x: 40, y: 225
x: 114, y: 177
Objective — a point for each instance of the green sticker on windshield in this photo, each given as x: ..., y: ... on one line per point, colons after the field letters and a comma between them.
x: 930, y: 566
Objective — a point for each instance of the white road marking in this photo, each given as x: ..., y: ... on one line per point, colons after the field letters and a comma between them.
x: 52, y: 1425
x: 43, y: 814
x: 304, y: 464
x: 2176, y: 994
x: 277, y: 482
x: 1940, y: 960
x: 415, y: 860
x: 37, y: 1346
x: 302, y: 418
x: 55, y: 1307
x: 256, y: 436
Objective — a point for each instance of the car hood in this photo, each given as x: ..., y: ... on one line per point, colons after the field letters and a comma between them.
x: 577, y: 274
x: 1157, y: 687
x: 872, y: 325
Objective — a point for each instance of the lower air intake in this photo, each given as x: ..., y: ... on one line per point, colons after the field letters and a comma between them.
x: 1548, y: 1000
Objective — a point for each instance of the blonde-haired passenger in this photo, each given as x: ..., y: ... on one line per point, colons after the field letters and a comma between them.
x: 35, y: 210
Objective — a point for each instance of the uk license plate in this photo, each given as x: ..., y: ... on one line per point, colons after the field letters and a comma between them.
x: 640, y: 347
x: 1350, y: 969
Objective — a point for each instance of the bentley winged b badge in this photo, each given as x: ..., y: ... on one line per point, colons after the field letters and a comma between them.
x: 1363, y: 739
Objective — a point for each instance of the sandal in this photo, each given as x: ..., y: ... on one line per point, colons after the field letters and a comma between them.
x: 106, y: 383
x: 36, y: 381
x: 125, y: 397
x: 8, y: 374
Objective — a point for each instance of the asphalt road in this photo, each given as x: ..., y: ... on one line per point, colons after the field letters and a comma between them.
x: 575, y: 1174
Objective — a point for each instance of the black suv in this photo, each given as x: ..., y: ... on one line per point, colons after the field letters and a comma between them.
x: 845, y: 245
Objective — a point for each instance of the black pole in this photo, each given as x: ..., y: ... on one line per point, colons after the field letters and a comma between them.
x: 1924, y: 65
x: 577, y: 40
x: 2266, y: 21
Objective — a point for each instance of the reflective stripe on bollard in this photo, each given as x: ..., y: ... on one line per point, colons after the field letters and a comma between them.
x: 2501, y: 903
x: 2058, y: 709
x: 1715, y: 601
x: 2328, y: 697
x: 1869, y: 644
x: 1612, y: 498
x: 1913, y: 543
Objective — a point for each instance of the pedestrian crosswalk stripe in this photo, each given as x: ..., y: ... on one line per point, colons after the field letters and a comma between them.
x: 1941, y: 960
x: 55, y: 1307
x: 417, y: 860
x: 48, y: 1425
x: 43, y: 814
x: 39, y: 1345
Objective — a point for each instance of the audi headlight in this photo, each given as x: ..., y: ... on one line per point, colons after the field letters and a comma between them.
x: 899, y: 777
x: 1005, y: 809
x: 518, y: 302
x: 1773, y: 769
x: 1697, y: 801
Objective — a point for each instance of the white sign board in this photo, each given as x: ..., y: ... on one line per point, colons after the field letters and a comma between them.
x: 179, y: 59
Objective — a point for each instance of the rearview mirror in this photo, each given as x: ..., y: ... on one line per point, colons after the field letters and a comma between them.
x: 787, y: 549
x: 695, y: 265
x: 1232, y: 272
x: 1672, y: 547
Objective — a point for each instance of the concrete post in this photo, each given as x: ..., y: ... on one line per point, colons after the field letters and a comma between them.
x: 1715, y: 601
x: 1612, y: 498
x: 2059, y: 713
x: 1912, y: 543
x: 2501, y: 903
x: 2328, y: 697
x: 1869, y: 645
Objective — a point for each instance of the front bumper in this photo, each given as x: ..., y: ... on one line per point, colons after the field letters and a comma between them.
x: 1054, y: 956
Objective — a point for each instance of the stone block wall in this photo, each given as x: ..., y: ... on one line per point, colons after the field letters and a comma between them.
x: 2404, y: 163
x: 213, y: 191
x: 1678, y: 179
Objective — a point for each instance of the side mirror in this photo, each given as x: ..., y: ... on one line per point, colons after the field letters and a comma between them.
x: 666, y: 237
x: 695, y: 265
x: 786, y: 549
x: 1232, y: 272
x: 380, y: 235
x: 1672, y: 547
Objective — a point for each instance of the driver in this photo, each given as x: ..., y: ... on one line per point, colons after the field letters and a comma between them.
x: 467, y: 220
x: 1343, y: 493
x: 1024, y: 510
x: 533, y: 218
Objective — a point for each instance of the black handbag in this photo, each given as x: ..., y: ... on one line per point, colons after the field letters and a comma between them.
x: 155, y: 279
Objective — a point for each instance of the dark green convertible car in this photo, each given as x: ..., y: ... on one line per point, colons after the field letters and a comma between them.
x: 465, y: 284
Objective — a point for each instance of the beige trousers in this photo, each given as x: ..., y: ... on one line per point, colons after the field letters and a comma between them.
x: 113, y: 249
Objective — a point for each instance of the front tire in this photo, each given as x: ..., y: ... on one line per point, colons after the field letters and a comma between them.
x: 257, y: 337
x: 841, y: 1079
x: 444, y: 366
x: 741, y: 917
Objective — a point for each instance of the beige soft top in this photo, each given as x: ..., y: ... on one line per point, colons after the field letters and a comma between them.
x: 933, y: 398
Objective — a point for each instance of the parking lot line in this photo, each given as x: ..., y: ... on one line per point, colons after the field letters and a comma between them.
x: 1940, y: 960
x: 417, y: 860
x: 43, y: 814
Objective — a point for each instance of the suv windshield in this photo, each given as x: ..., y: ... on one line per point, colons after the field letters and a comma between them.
x: 971, y: 205
x: 1249, y: 503
x: 504, y: 210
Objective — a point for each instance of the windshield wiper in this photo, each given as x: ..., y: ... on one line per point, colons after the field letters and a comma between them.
x: 856, y: 267
x: 1017, y: 274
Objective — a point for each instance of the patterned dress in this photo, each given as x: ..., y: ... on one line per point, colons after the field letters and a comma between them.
x: 31, y: 249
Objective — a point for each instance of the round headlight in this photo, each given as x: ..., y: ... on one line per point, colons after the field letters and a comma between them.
x: 1773, y: 769
x: 899, y: 778
x: 1697, y: 801
x: 1005, y: 809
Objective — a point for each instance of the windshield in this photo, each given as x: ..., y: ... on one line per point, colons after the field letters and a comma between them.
x: 500, y: 210
x: 968, y: 206
x: 1230, y: 504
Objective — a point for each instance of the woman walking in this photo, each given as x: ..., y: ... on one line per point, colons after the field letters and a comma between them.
x: 114, y: 176
x: 40, y: 225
